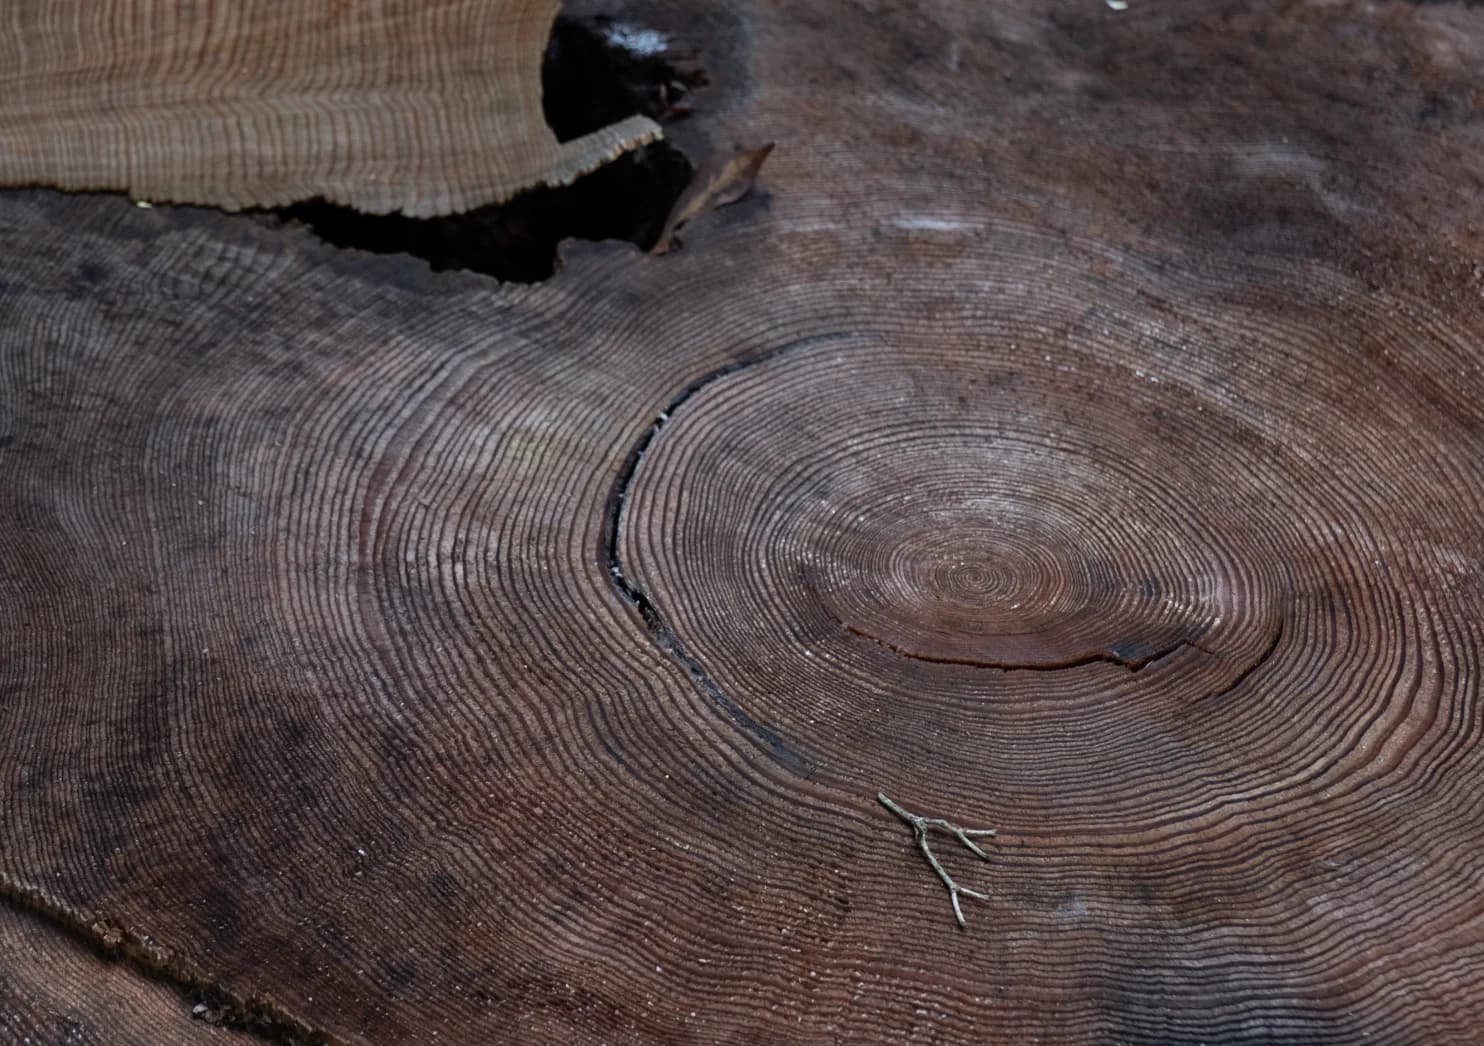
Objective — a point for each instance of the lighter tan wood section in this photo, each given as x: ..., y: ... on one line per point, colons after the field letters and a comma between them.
x: 384, y: 105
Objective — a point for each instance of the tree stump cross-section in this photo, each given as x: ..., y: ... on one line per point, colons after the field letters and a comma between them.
x: 1077, y: 432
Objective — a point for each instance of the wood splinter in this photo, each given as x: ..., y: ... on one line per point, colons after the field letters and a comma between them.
x: 920, y: 826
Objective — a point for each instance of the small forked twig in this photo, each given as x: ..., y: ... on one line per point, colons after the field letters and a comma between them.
x: 920, y: 826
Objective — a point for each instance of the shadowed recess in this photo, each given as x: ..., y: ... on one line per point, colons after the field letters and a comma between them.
x: 596, y: 72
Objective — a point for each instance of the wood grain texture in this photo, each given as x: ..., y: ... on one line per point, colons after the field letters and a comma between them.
x: 53, y: 990
x: 1078, y: 432
x: 419, y: 108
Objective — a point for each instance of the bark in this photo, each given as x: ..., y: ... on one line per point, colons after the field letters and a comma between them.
x: 1076, y: 433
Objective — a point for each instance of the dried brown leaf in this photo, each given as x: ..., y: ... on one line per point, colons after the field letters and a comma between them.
x: 721, y: 179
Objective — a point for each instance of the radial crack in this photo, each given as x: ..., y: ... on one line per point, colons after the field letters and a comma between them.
x: 633, y: 592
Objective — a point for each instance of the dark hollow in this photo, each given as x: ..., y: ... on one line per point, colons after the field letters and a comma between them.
x: 587, y: 83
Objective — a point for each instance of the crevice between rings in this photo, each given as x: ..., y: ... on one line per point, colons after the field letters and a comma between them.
x: 141, y: 953
x: 1262, y: 659
x: 628, y: 588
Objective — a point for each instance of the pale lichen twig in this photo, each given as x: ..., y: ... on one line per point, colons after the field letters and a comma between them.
x: 920, y: 826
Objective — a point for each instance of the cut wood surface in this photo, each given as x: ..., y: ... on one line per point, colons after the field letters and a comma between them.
x: 1078, y: 432
x: 53, y: 989
x: 423, y: 108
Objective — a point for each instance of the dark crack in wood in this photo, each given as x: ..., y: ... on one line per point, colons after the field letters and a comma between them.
x: 141, y: 953
x: 634, y: 593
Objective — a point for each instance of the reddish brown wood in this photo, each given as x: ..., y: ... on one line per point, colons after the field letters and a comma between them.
x: 54, y: 989
x: 1078, y: 433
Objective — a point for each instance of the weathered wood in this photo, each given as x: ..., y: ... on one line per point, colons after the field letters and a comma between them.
x: 53, y: 989
x: 423, y: 108
x: 1078, y: 434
